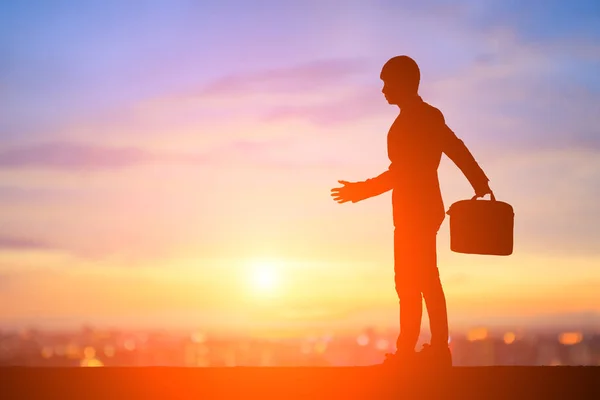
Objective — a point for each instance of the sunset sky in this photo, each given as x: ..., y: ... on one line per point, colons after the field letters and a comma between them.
x: 169, y: 163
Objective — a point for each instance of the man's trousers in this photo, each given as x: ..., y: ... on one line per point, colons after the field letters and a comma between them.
x: 417, y: 278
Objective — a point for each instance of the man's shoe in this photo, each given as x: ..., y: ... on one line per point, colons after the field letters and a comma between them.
x: 435, y: 356
x: 399, y: 359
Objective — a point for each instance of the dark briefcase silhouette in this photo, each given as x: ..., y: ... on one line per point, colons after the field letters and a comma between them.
x: 481, y: 227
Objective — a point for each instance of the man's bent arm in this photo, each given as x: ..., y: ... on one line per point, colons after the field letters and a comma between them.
x: 456, y: 150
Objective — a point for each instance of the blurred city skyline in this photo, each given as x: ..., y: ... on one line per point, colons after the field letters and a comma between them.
x: 92, y: 347
x: 585, y: 322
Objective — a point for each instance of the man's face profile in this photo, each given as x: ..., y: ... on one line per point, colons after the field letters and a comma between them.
x: 394, y: 90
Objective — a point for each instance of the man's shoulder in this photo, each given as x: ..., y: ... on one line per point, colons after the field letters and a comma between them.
x: 432, y: 113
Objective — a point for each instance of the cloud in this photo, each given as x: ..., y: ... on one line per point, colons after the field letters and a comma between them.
x: 360, y: 103
x: 73, y: 156
x: 25, y: 194
x: 22, y: 243
x: 292, y: 79
x: 69, y: 156
x: 320, y: 92
x: 241, y: 96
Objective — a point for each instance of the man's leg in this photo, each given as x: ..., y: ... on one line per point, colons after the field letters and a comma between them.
x: 406, y: 271
x: 437, y: 354
x: 433, y: 293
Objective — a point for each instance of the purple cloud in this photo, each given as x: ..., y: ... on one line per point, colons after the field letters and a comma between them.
x: 365, y: 103
x: 20, y: 194
x: 66, y: 155
x: 22, y: 243
x: 89, y: 157
x: 302, y: 77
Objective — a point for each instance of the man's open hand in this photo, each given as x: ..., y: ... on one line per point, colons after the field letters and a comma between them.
x: 351, y: 191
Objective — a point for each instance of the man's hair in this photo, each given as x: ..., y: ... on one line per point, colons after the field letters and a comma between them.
x: 402, y: 69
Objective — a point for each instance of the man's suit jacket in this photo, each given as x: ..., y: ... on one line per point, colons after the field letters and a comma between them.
x: 415, y: 142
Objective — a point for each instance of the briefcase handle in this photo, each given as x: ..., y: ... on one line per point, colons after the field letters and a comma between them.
x: 491, y: 196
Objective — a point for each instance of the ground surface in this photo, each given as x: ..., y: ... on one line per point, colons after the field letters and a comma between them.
x: 301, y: 382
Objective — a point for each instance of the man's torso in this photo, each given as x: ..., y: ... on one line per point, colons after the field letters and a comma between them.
x: 415, y: 150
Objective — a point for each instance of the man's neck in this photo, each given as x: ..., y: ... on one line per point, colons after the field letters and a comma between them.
x: 410, y: 101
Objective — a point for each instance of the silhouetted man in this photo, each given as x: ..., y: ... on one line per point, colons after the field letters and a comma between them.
x: 415, y: 142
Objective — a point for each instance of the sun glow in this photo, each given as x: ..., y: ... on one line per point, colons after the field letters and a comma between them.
x: 265, y: 276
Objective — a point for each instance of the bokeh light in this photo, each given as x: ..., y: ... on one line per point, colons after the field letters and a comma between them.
x: 570, y: 338
x: 509, y: 337
x: 477, y: 334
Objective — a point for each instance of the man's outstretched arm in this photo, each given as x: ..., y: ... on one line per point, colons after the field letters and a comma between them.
x: 357, y: 191
x: 380, y: 184
x: 456, y: 150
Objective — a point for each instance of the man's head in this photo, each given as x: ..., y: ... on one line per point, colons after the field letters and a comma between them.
x: 401, y: 77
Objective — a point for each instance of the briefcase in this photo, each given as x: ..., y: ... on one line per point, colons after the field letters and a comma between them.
x: 481, y: 227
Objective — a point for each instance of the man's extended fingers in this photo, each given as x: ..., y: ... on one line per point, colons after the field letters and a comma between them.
x: 337, y: 193
x: 340, y: 199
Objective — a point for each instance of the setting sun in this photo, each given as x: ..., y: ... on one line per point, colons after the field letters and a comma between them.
x: 265, y: 276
